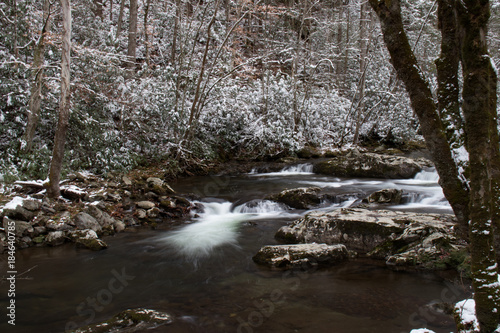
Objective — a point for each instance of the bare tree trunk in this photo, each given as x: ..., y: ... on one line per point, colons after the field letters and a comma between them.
x: 37, y: 73
x: 345, y: 70
x: 98, y: 8
x: 146, y: 32
x: 339, y: 62
x: 364, y: 22
x: 479, y: 108
x: 120, y: 19
x: 16, y: 47
x: 111, y: 10
x: 53, y: 190
x: 132, y: 35
x: 422, y: 102
x: 176, y: 30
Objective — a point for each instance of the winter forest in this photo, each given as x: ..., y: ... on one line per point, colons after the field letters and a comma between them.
x: 199, y: 81
x: 386, y: 109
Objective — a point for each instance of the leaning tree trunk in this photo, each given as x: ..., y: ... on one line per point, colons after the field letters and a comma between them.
x: 422, y: 101
x: 53, y: 190
x: 37, y: 73
x: 479, y: 108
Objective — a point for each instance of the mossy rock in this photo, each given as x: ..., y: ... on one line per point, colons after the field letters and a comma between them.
x: 370, y: 165
x: 130, y: 321
x: 94, y: 244
x: 299, y: 198
x: 39, y: 239
x: 308, y: 152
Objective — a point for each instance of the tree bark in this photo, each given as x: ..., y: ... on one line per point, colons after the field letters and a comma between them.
x: 132, y: 35
x: 98, y: 8
x: 447, y: 65
x: 422, y: 102
x: 479, y: 108
x: 120, y: 19
x: 146, y: 32
x: 37, y: 74
x: 53, y: 190
x: 176, y: 30
x: 364, y: 20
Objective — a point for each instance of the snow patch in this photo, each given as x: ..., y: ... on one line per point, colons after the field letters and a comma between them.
x: 466, y: 310
x: 14, y: 203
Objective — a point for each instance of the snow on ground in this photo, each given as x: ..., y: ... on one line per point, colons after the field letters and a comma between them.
x: 467, y: 312
x: 16, y: 201
x: 421, y: 330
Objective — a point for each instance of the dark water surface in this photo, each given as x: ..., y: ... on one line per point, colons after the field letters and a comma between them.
x: 203, y: 273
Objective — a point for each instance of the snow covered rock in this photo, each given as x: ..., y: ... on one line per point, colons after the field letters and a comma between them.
x: 301, y: 255
x: 16, y: 210
x: 371, y: 165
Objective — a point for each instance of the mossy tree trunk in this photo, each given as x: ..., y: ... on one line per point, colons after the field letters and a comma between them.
x: 422, y: 101
x: 462, y: 40
x: 479, y: 108
x: 448, y: 90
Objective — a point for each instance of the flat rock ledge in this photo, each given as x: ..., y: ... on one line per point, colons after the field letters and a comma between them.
x: 301, y: 255
x: 399, y: 238
x: 356, y: 164
x: 132, y: 320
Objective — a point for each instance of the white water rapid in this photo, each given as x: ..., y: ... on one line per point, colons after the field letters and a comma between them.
x: 218, y: 223
x: 294, y: 170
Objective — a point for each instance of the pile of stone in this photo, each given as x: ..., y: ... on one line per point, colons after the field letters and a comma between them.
x: 82, y: 215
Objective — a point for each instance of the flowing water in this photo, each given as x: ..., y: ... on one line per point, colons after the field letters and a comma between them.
x: 201, y: 269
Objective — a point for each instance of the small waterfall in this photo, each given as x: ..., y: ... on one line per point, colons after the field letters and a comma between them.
x: 214, y: 227
x: 217, y: 224
x: 429, y: 175
x: 299, y: 169
x: 261, y: 207
x: 424, y: 191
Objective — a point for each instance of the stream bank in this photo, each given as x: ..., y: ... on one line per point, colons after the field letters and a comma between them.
x: 199, y: 267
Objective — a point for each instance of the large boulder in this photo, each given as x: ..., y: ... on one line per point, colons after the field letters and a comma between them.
x: 399, y: 238
x: 371, y: 165
x: 85, y: 221
x: 301, y: 255
x: 299, y: 198
x: 359, y: 229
